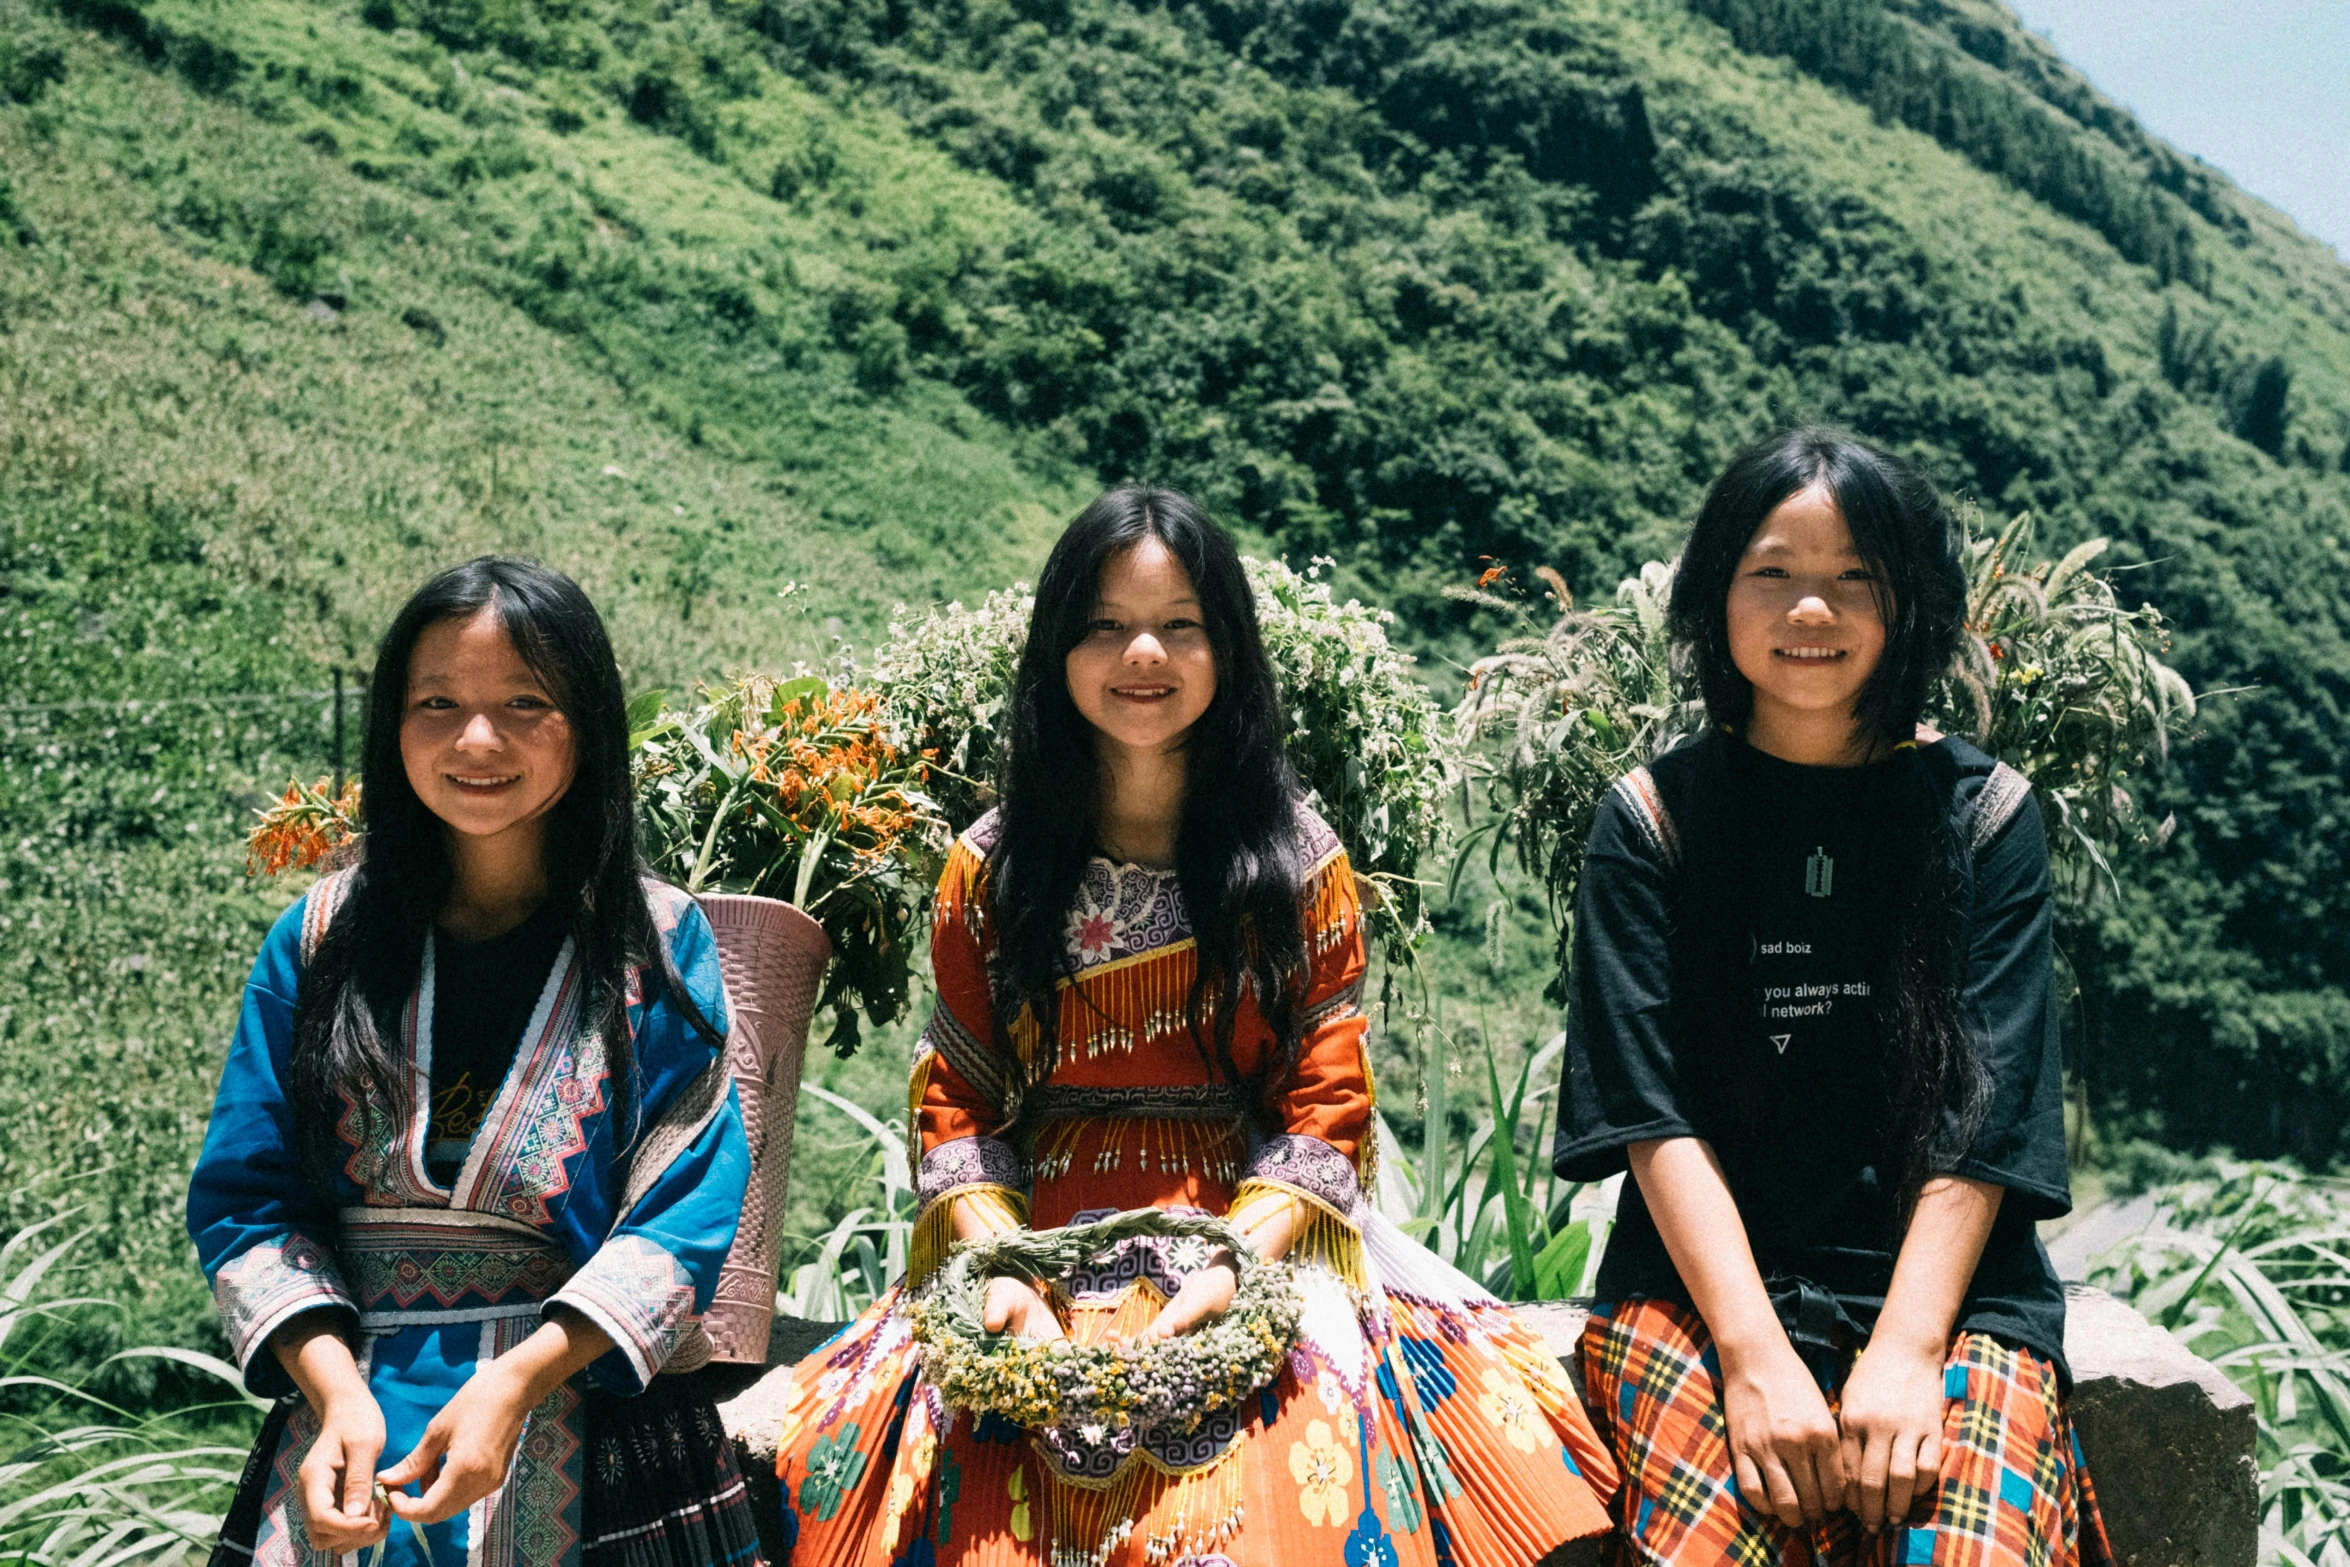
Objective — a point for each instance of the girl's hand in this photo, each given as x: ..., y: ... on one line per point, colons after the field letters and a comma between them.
x: 337, y: 1478
x: 1892, y: 1417
x: 1784, y: 1445
x: 465, y: 1452
x: 1014, y: 1306
x: 1203, y: 1294
x: 1269, y: 1224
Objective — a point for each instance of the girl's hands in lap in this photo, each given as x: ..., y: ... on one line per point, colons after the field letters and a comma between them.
x: 1784, y: 1445
x: 466, y: 1450
x: 1013, y: 1305
x: 1203, y: 1294
x: 1892, y: 1447
x: 337, y: 1479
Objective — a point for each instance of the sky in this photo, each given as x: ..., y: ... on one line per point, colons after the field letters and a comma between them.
x: 2259, y: 88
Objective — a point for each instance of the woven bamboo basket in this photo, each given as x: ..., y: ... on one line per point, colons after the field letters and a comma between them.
x: 773, y: 957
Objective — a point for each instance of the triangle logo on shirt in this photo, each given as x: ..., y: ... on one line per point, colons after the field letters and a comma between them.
x: 1781, y: 1041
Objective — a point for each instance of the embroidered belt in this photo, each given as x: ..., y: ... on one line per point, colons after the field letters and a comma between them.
x: 1204, y: 1102
x: 410, y: 1266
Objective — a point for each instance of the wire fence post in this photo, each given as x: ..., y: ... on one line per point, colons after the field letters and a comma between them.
x: 338, y: 731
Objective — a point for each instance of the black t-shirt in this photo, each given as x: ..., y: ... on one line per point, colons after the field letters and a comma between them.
x: 1775, y: 882
x: 484, y: 993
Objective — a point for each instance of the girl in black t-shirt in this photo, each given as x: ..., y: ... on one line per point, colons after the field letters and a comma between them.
x: 1811, y: 1013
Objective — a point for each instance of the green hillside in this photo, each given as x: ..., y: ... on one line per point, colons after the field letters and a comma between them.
x: 760, y: 315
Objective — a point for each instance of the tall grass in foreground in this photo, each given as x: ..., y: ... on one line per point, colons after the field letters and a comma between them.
x: 865, y: 1250
x: 85, y: 1482
x: 2250, y: 1266
x: 1499, y: 1215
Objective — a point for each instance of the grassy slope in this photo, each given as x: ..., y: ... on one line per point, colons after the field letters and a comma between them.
x: 211, y: 487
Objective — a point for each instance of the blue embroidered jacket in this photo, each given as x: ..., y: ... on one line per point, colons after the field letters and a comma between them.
x: 430, y: 1280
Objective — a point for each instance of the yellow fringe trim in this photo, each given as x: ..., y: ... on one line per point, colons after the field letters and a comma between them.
x: 917, y: 1085
x: 1337, y: 907
x: 1213, y: 1149
x: 1336, y: 917
x: 998, y: 1208
x: 1322, y: 1238
x: 1112, y: 1009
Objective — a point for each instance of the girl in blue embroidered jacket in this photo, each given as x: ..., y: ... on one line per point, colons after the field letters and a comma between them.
x: 471, y: 1265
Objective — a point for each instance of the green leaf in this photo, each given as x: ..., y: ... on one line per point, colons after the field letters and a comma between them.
x: 845, y: 1035
x: 1517, y: 1213
x: 809, y: 689
x: 1558, y: 1268
x: 644, y: 711
x: 1435, y: 1132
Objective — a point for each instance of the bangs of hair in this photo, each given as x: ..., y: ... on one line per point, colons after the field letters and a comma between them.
x: 1902, y: 532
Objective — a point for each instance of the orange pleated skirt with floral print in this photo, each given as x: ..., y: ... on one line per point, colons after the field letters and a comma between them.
x: 1415, y: 1422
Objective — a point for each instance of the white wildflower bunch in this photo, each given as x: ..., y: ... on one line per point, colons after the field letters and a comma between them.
x: 944, y: 676
x: 1369, y: 742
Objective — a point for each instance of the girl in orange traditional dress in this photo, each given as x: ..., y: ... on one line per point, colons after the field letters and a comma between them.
x: 1150, y: 962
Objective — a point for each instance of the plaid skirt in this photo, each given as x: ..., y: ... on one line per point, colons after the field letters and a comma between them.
x: 663, y: 1485
x: 2014, y: 1491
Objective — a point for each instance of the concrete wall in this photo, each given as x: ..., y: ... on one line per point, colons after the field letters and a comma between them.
x: 2169, y: 1438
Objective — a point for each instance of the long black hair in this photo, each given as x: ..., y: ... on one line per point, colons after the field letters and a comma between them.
x: 373, y: 952
x: 1935, y: 1087
x: 1235, y: 855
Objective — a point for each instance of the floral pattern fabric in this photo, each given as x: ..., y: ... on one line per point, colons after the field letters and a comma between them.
x: 1123, y: 911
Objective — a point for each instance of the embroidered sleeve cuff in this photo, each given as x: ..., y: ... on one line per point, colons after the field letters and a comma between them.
x: 642, y: 1298
x: 1311, y: 1168
x: 967, y: 1161
x: 266, y: 1286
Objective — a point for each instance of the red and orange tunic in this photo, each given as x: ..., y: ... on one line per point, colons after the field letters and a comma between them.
x: 1415, y: 1421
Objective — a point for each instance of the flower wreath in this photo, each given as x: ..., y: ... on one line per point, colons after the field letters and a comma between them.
x: 1170, y: 1385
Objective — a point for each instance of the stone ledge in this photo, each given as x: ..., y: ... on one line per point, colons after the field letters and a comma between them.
x: 2168, y: 1437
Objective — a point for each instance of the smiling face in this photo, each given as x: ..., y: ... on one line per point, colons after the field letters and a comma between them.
x: 1805, y: 628
x: 481, y: 739
x: 1143, y: 673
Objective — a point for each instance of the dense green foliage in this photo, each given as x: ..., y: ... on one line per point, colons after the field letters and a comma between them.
x: 704, y: 299
x: 1930, y: 81
x: 2244, y: 1262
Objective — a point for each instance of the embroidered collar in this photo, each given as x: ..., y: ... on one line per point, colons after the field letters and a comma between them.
x: 1122, y: 911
